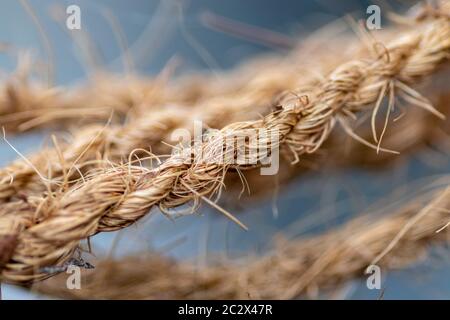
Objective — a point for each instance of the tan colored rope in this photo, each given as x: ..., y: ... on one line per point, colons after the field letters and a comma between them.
x: 242, y: 94
x: 49, y: 231
x: 412, y: 136
x: 238, y: 95
x: 26, y: 103
x: 303, y: 267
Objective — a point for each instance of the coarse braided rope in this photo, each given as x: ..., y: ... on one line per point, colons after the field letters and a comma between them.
x: 237, y: 95
x: 47, y: 233
x: 149, y: 128
x: 305, y: 267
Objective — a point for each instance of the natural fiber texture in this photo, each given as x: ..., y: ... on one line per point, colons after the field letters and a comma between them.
x: 417, y: 132
x: 48, y: 231
x: 27, y: 103
x: 303, y: 267
x: 241, y: 94
x: 238, y: 98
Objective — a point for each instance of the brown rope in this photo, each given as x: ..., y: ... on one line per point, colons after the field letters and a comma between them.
x: 303, y: 267
x: 48, y: 231
x: 236, y: 96
x: 150, y: 128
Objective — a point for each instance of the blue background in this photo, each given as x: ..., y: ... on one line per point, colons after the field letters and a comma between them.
x: 153, y: 33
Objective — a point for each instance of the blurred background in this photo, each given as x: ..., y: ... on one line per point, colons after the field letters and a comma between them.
x: 155, y: 32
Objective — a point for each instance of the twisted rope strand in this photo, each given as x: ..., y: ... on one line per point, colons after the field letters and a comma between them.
x: 115, y: 198
x: 303, y: 267
x: 148, y: 129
